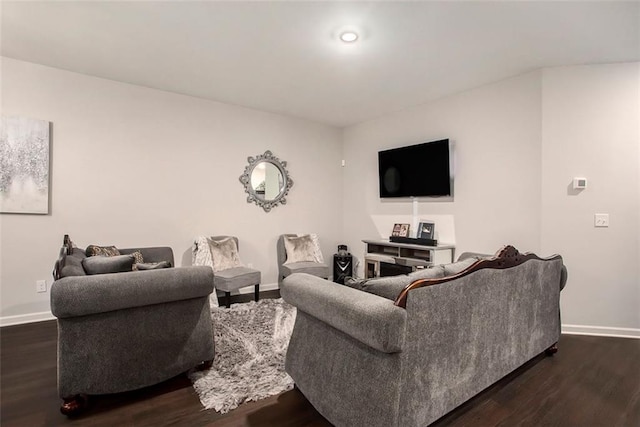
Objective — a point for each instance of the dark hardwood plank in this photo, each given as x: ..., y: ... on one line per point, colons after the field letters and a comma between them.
x: 591, y: 381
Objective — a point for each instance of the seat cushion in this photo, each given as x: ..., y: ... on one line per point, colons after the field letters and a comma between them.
x: 235, y: 278
x: 313, y: 268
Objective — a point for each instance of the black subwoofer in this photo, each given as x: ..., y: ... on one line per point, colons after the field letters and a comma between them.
x: 342, y: 267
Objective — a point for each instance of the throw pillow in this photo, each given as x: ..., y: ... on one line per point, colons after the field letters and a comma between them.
x: 435, y: 272
x: 94, y: 250
x: 318, y: 253
x: 301, y: 249
x: 224, y: 254
x: 459, y: 266
x: 388, y: 286
x: 138, y: 259
x: 101, y: 264
x: 153, y: 265
x: 355, y: 283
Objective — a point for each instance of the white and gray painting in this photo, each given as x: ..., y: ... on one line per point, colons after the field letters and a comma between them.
x: 24, y: 165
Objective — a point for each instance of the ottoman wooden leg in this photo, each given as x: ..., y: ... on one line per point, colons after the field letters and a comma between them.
x: 551, y: 350
x: 257, y: 292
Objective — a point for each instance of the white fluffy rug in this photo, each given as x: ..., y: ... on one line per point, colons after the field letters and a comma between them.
x: 251, y: 341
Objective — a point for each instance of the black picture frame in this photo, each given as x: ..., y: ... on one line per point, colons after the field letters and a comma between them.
x: 426, y: 230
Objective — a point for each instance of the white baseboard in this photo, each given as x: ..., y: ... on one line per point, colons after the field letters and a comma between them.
x: 601, y: 331
x: 26, y: 318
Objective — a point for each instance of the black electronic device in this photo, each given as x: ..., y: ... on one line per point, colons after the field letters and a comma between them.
x: 420, y: 170
x: 342, y: 264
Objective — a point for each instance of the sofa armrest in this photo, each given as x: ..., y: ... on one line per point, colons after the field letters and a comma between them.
x: 84, y: 295
x: 370, y: 319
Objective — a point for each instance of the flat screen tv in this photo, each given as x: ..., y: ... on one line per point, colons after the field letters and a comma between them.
x: 420, y: 170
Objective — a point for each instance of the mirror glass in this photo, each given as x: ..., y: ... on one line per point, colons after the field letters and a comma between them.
x: 266, y: 181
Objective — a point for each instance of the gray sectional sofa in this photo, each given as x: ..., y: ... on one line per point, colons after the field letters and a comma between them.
x: 408, y: 358
x: 126, y: 330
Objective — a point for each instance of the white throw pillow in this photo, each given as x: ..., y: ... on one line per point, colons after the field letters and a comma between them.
x: 224, y: 254
x: 302, y: 248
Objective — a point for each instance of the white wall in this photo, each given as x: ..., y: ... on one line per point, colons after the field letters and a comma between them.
x: 495, y: 130
x: 591, y: 128
x: 518, y: 144
x: 133, y: 166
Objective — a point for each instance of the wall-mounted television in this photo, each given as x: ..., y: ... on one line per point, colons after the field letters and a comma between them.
x: 421, y: 170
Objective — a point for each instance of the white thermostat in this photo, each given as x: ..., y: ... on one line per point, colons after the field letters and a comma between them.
x: 579, y: 183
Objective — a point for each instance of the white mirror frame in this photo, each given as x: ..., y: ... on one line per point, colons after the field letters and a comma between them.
x: 253, y: 197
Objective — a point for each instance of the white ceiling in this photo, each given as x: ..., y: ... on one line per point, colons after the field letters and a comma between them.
x: 285, y: 57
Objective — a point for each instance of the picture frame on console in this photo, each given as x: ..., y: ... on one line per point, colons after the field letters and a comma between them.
x: 404, y: 230
x: 396, y: 229
x: 426, y: 230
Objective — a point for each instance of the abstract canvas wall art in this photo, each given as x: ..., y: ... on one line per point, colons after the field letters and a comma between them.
x: 24, y: 165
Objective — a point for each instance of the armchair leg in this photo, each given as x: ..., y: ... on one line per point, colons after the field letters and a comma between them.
x: 74, y: 405
x: 551, y: 350
x: 227, y: 298
x: 257, y: 292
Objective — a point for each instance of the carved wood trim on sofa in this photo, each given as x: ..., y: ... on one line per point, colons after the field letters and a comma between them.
x: 506, y: 257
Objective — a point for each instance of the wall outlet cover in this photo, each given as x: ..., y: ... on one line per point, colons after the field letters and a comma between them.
x: 601, y: 220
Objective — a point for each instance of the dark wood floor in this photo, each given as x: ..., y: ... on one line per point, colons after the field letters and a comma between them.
x: 591, y: 381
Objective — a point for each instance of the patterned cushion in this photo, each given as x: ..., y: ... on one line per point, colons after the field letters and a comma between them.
x: 93, y: 250
x: 138, y: 259
x: 101, y: 264
x: 224, y: 254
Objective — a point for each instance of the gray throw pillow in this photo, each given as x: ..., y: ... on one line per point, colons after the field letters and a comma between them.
x: 457, y: 267
x: 354, y: 282
x: 153, y: 265
x: 101, y: 264
x: 387, y: 287
x: 435, y: 272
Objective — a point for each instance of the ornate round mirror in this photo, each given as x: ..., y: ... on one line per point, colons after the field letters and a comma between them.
x: 266, y: 181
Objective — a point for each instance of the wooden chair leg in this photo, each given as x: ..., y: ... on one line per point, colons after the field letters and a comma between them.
x: 551, y: 350
x: 227, y: 298
x: 257, y: 292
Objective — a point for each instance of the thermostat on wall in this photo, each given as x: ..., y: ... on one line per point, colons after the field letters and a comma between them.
x: 579, y: 183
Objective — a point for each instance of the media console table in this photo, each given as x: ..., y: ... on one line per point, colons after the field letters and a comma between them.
x: 385, y: 258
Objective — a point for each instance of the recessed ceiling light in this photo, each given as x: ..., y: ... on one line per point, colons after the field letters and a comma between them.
x: 349, y: 36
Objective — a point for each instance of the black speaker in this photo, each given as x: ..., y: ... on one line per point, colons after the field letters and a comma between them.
x: 342, y: 267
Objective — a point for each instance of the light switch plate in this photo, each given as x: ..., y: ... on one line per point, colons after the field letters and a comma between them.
x: 601, y: 220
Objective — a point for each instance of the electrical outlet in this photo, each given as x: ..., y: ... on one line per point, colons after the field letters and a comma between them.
x: 41, y: 286
x: 249, y: 265
x: 601, y: 220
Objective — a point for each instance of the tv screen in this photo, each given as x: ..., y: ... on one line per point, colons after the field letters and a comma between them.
x: 420, y: 170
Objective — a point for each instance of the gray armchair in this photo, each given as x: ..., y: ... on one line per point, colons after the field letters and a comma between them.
x: 314, y: 268
x: 123, y: 331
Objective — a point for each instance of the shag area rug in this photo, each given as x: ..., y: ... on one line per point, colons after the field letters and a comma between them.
x: 251, y: 341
